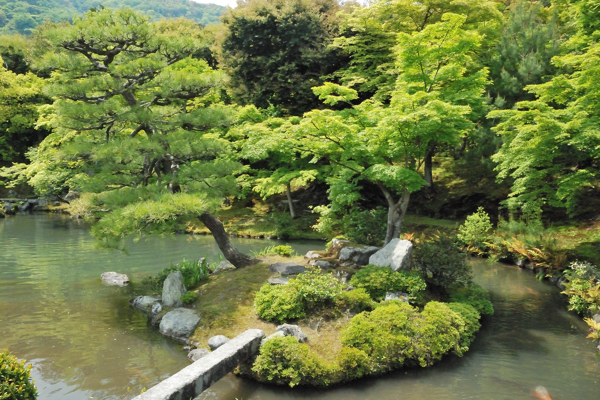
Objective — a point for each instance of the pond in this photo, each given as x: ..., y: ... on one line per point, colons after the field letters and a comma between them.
x: 84, y: 341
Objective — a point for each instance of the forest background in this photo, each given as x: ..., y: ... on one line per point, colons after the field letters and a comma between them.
x: 283, y: 116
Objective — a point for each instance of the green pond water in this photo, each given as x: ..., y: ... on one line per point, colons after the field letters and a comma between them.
x: 84, y: 341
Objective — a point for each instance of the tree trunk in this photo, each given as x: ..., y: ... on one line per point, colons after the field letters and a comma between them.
x: 290, y: 202
x: 396, y: 213
x: 428, y: 174
x: 230, y: 252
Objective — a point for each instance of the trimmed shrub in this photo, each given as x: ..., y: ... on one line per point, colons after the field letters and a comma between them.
x: 442, y: 264
x: 356, y: 301
x: 377, y: 281
x: 284, y: 361
x: 475, y: 231
x: 475, y: 296
x: 278, y: 303
x: 15, y: 380
x: 317, y: 289
x: 440, y: 334
x: 471, y: 317
x: 281, y: 250
x: 353, y: 363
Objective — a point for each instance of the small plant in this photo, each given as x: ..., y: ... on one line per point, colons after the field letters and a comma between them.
x: 193, y: 273
x: 15, y: 380
x: 377, y: 281
x: 281, y: 250
x: 189, y: 297
x: 475, y: 231
x: 583, y: 287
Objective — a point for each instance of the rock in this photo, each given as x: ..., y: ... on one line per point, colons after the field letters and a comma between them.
x: 396, y: 255
x: 224, y: 266
x: 27, y: 205
x: 287, y: 268
x: 276, y: 334
x: 336, y: 245
x: 217, y: 341
x: 197, y: 354
x: 357, y: 255
x: 114, y: 279
x: 312, y: 255
x: 278, y: 281
x: 596, y: 318
x: 8, y: 208
x: 397, y: 296
x: 72, y: 195
x: 42, y: 204
x: 145, y: 303
x: 179, y: 323
x: 324, y: 264
x: 156, y: 308
x: 173, y: 288
x: 292, y: 330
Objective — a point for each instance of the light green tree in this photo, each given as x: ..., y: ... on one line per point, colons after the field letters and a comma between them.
x: 137, y: 126
x: 551, y: 147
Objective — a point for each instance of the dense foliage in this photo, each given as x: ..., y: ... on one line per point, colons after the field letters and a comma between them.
x: 15, y: 381
x: 377, y: 281
x: 23, y: 16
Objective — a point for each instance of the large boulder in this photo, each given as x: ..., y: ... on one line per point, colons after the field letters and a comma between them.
x: 217, y: 341
x: 179, y: 323
x: 357, y: 255
x: 337, y: 245
x: 114, y: 279
x: 292, y: 330
x: 173, y: 288
x: 287, y: 268
x: 396, y: 255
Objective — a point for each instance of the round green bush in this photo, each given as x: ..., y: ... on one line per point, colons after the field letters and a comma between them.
x: 285, y: 361
x: 356, y: 300
x: 15, y: 381
x: 278, y: 303
x: 377, y: 281
x: 471, y: 319
x: 442, y: 264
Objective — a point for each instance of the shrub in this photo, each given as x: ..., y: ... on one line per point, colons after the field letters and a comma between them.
x: 440, y: 334
x: 353, y: 363
x: 284, y: 361
x: 475, y: 231
x: 356, y: 301
x: 193, y: 273
x: 15, y: 381
x: 317, y: 289
x: 377, y: 281
x: 583, y: 287
x: 385, y: 335
x: 189, y: 297
x: 278, y: 303
x: 442, y: 264
x: 471, y: 318
x: 284, y: 251
x: 475, y: 296
x: 365, y: 226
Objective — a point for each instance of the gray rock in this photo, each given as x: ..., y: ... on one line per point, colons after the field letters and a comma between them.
x: 357, y: 255
x: 324, y: 264
x: 312, y: 255
x: 287, y: 268
x: 72, y: 195
x: 217, y: 341
x: 156, y: 308
x: 596, y: 318
x: 173, y: 288
x: 337, y: 245
x: 8, y: 208
x: 278, y: 281
x: 27, y: 205
x: 396, y: 255
x: 144, y: 303
x: 179, y: 323
x: 197, y: 354
x: 114, y: 279
x: 292, y: 330
x: 397, y: 296
x: 224, y: 266
x: 276, y: 334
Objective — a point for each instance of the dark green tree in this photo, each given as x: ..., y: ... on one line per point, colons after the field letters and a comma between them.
x: 276, y: 50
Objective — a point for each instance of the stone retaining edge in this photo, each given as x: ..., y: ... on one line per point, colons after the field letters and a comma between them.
x: 199, y: 376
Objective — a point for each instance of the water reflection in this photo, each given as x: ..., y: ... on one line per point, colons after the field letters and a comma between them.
x: 82, y: 337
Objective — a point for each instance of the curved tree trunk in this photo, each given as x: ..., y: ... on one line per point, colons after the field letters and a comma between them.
x: 231, y: 253
x: 288, y: 190
x: 396, y: 213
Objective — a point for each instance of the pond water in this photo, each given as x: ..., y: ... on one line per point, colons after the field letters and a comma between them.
x: 84, y: 341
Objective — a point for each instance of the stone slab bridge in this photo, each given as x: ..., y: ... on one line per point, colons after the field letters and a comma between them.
x: 199, y: 376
